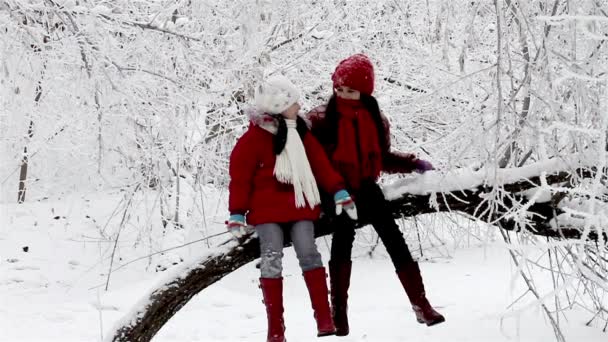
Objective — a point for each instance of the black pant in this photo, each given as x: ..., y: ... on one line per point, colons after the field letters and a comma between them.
x: 373, y: 208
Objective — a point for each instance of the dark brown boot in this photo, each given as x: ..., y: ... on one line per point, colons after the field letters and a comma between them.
x: 316, y: 281
x: 411, y: 280
x: 272, y: 289
x: 339, y: 278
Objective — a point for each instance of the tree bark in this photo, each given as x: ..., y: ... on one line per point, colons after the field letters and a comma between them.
x: 24, y: 165
x: 148, y: 317
x: 30, y: 133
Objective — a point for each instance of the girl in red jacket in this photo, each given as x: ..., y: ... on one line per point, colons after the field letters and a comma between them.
x: 274, y: 171
x: 356, y: 138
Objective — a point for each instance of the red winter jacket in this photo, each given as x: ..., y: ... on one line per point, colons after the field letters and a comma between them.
x: 392, y: 161
x: 256, y: 192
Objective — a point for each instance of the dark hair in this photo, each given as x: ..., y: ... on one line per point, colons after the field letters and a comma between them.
x: 280, y: 139
x: 332, y: 117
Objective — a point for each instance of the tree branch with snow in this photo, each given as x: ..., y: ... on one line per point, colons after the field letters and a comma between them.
x: 525, y: 208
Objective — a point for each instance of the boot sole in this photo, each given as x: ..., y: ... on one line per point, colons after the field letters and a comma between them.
x: 342, y: 333
x: 326, y: 333
x: 429, y: 324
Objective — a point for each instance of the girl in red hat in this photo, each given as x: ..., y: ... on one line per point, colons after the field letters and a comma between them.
x: 356, y: 138
x: 274, y: 171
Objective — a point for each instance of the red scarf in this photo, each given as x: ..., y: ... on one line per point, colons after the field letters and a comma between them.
x: 357, y: 155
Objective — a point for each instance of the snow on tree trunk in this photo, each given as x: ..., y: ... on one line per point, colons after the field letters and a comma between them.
x: 181, y: 284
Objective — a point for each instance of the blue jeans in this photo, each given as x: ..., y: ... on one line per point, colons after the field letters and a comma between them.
x: 271, y: 236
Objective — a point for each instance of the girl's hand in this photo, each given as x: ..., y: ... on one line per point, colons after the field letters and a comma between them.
x: 236, y: 225
x: 344, y: 201
x: 423, y: 166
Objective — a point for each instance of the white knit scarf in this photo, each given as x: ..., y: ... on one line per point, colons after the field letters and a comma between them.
x: 292, y: 167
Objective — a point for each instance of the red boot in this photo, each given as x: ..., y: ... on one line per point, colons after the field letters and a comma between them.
x: 317, y: 288
x: 339, y: 278
x: 414, y: 288
x: 272, y: 289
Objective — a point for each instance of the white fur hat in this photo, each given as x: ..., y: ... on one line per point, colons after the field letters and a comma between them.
x: 275, y: 95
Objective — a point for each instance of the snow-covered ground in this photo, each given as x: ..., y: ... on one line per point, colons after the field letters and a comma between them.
x: 54, y: 291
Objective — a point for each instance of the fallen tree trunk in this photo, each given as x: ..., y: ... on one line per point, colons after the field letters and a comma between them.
x: 155, y: 309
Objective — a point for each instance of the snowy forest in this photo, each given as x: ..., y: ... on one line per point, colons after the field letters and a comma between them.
x: 117, y: 120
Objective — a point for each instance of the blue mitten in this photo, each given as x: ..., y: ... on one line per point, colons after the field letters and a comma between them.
x: 236, y: 225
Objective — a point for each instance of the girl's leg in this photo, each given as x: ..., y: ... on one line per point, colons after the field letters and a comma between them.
x: 340, y: 266
x: 381, y: 218
x: 407, y: 269
x: 271, y: 249
x: 303, y: 238
x: 392, y: 238
x: 271, y: 281
x: 342, y: 240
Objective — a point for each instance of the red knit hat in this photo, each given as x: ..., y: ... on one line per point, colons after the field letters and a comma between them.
x: 356, y: 72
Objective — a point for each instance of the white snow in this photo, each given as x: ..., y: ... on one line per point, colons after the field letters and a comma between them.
x: 322, y: 34
x: 101, y: 9
x: 181, y: 21
x: 559, y: 19
x: 58, y: 288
